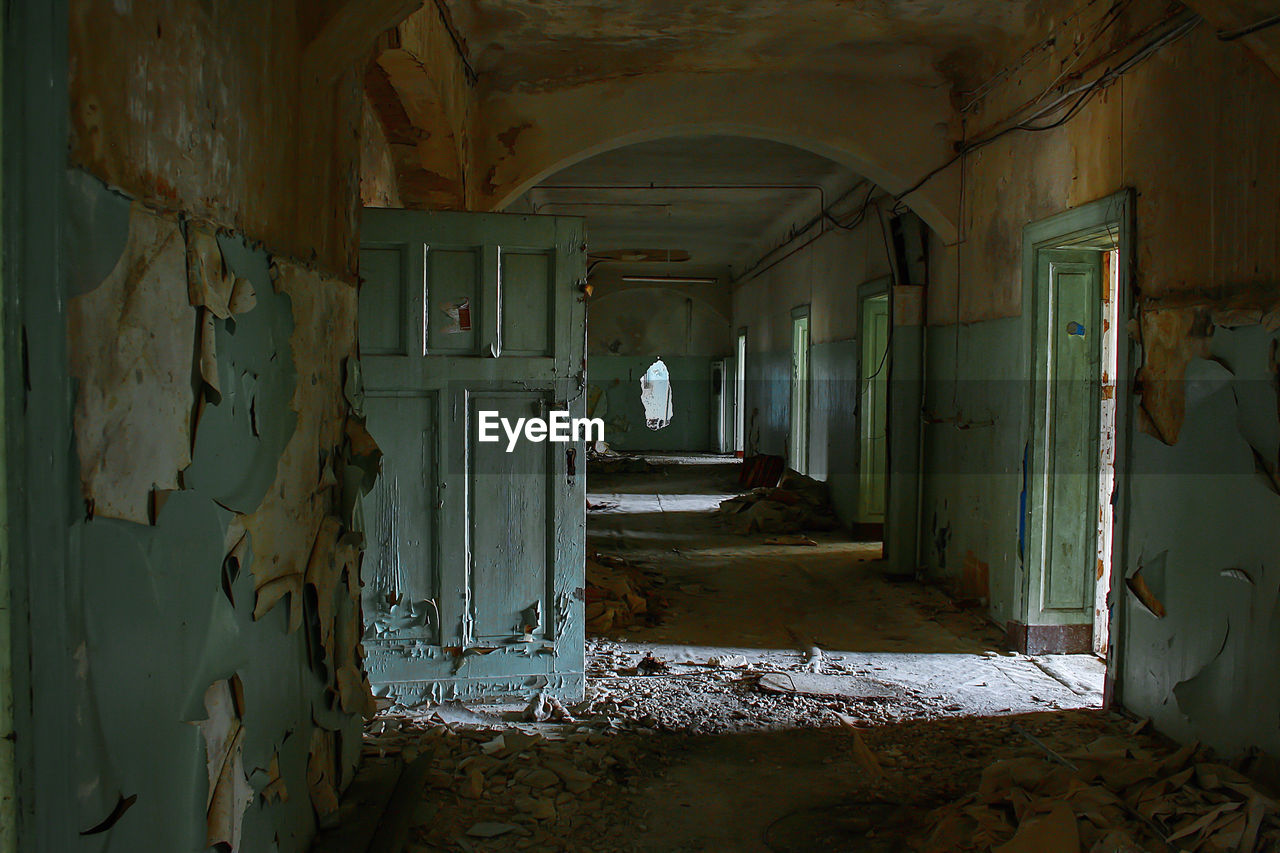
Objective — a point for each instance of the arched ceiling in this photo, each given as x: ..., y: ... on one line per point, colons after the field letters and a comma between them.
x: 873, y: 85
x: 715, y: 198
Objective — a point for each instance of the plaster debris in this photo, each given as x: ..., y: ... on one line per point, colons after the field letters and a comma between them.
x: 828, y: 686
x: 1114, y: 795
x: 791, y: 540
x: 619, y: 594
x: 798, y: 503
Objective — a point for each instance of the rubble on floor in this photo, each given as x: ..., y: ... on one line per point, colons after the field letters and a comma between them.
x: 602, y: 459
x: 761, y: 469
x: 1114, y: 795
x: 509, y: 788
x: 620, y: 594
x: 798, y: 503
x: 731, y: 693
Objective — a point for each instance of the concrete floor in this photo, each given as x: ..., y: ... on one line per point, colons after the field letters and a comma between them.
x: 734, y: 594
x: 707, y: 761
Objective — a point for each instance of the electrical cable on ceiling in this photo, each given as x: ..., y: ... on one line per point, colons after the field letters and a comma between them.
x: 1255, y: 27
x: 1183, y: 23
x: 977, y: 94
x: 1086, y: 92
x: 447, y: 20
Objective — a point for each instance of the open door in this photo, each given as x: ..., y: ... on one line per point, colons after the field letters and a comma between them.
x: 1063, y: 477
x: 873, y: 423
x: 474, y: 573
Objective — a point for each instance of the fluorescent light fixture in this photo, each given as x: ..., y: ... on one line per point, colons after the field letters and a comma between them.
x: 669, y: 279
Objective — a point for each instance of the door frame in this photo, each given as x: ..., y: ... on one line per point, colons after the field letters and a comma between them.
x: 1113, y: 215
x: 739, y: 440
x: 40, y: 541
x: 800, y: 312
x: 882, y: 286
x: 723, y: 409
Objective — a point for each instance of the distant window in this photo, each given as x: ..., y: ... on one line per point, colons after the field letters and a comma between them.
x: 655, y: 395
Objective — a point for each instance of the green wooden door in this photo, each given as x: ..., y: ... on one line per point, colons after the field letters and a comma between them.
x: 1063, y: 477
x: 873, y: 422
x: 474, y: 573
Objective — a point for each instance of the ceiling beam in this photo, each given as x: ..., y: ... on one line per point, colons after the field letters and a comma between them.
x: 347, y: 35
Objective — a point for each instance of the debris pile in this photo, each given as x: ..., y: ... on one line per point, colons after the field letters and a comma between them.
x: 620, y: 595
x: 603, y: 459
x: 505, y: 788
x: 798, y: 503
x: 729, y: 692
x: 1113, y: 796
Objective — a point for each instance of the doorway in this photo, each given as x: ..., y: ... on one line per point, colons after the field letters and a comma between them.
x: 1075, y: 277
x: 798, y: 443
x: 740, y: 394
x: 873, y: 398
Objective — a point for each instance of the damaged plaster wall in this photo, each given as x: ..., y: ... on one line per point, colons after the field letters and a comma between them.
x: 215, y: 616
x: 217, y: 110
x: 217, y: 604
x: 627, y: 329
x: 1190, y: 131
x: 379, y: 182
x: 420, y: 90
x: 824, y: 275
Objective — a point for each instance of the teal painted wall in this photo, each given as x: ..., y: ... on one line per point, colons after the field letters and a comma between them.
x: 613, y: 393
x: 974, y: 432
x: 1203, y: 524
x: 833, y: 423
x: 158, y: 612
x: 824, y: 275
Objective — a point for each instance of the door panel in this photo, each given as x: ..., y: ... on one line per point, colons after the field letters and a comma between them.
x: 475, y: 574
x: 874, y: 417
x: 511, y: 516
x: 399, y: 520
x: 1064, y: 471
x: 383, y: 301
x: 453, y: 286
x: 527, y: 317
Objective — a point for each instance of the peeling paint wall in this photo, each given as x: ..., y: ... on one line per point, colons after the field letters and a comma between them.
x: 1192, y: 131
x: 379, y: 184
x: 420, y: 91
x: 824, y: 275
x: 216, y: 614
x: 211, y: 339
